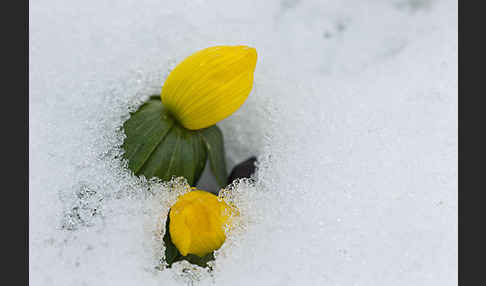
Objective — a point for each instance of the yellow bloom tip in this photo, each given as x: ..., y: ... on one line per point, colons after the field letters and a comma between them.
x: 209, y: 85
x: 197, y: 222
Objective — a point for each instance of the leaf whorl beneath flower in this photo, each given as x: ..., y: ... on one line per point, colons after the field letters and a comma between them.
x: 156, y: 145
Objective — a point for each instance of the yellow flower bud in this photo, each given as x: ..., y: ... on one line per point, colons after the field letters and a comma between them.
x: 209, y: 85
x: 197, y: 223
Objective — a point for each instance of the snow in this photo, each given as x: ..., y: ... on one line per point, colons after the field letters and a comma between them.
x: 353, y: 117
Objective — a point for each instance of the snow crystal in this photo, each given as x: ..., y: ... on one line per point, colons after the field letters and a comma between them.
x: 353, y: 117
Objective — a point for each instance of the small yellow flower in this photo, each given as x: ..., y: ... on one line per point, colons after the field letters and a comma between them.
x: 209, y: 85
x: 197, y: 222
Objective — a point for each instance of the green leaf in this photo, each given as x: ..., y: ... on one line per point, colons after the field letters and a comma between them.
x: 157, y: 146
x: 145, y: 130
x: 193, y: 155
x: 171, y: 252
x: 201, y: 261
x: 213, y: 138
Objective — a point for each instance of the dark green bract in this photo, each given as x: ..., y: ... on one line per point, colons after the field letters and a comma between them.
x: 156, y: 145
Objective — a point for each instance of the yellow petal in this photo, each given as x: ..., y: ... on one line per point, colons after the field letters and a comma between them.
x: 197, y: 223
x: 209, y: 85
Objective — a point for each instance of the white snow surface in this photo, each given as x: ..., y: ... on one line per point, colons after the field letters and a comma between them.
x: 353, y: 117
